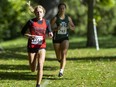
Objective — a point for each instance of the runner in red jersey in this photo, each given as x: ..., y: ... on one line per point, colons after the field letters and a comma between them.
x: 36, y: 29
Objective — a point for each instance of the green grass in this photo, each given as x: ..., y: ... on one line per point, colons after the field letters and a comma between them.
x: 86, y: 67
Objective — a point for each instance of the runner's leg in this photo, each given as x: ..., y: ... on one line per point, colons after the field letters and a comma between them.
x: 32, y: 61
x: 57, y: 51
x: 64, y: 49
x: 41, y: 59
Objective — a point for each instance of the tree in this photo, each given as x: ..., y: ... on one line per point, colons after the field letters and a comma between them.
x: 102, y: 4
x: 13, y: 15
x: 50, y: 6
x: 90, y: 30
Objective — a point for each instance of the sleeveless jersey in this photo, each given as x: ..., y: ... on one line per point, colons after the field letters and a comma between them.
x: 63, y: 31
x: 38, y: 29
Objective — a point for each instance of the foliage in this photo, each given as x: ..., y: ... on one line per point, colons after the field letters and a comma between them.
x: 107, y: 3
x: 105, y: 16
x: 14, y: 14
x: 104, y: 13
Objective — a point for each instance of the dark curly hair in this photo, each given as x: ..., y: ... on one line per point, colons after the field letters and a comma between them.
x: 61, y: 4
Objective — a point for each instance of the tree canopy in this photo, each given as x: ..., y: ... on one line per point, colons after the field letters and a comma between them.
x: 15, y: 13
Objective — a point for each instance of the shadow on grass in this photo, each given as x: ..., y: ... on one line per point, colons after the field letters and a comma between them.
x: 13, y: 67
x: 16, y: 49
x: 9, y: 73
x: 17, y: 72
x: 55, y: 77
x: 27, y: 76
x: 100, y: 58
x: 17, y: 76
x: 50, y: 68
x: 24, y: 67
x: 86, y: 59
x: 50, y: 59
x: 78, y: 42
x: 12, y: 55
x: 104, y: 42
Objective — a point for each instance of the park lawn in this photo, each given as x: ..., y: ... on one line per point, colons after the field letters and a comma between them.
x: 86, y: 67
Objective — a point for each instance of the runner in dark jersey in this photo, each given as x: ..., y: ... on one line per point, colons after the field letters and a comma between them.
x: 60, y: 25
x: 35, y: 29
x: 61, y: 34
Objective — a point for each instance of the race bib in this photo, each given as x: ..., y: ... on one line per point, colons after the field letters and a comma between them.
x: 37, y: 40
x: 63, y: 30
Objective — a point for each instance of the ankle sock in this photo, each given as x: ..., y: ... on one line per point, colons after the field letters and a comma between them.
x: 61, y: 70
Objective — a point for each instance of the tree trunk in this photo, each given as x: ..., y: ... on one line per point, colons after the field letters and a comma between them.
x: 50, y: 6
x: 90, y: 30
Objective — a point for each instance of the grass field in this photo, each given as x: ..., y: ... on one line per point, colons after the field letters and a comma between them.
x: 86, y: 67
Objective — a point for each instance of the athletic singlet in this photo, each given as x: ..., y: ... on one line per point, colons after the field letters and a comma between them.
x: 63, y: 31
x: 37, y: 28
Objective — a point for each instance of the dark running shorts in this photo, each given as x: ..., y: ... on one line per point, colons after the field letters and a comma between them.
x: 60, y: 40
x: 33, y: 50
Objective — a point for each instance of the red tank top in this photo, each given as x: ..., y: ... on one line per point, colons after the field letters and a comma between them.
x: 40, y: 31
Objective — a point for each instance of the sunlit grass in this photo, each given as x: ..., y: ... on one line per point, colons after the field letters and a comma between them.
x: 86, y: 67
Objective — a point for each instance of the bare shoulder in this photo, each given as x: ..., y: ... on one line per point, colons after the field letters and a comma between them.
x: 53, y: 20
x: 69, y: 18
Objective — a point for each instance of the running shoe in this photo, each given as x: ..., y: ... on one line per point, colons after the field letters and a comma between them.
x: 60, y: 74
x: 37, y: 85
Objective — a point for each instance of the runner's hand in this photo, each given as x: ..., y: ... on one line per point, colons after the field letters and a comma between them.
x: 50, y: 34
x: 31, y: 37
x: 29, y: 3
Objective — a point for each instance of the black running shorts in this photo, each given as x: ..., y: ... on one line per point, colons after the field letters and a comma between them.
x: 33, y: 50
x: 60, y: 40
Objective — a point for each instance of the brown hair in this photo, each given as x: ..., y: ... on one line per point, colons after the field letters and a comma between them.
x: 61, y: 4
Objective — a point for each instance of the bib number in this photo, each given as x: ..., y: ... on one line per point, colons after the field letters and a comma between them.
x: 63, y: 29
x: 37, y: 40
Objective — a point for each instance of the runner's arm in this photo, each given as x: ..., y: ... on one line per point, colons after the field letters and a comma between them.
x: 30, y: 7
x: 49, y: 30
x: 71, y: 24
x: 54, y: 25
